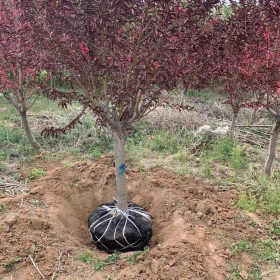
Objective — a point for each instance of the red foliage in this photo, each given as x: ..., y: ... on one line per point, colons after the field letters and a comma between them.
x: 246, y: 53
x: 123, y: 54
x: 20, y: 54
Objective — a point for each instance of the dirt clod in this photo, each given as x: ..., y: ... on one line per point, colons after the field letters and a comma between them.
x: 154, y: 266
x: 203, y: 207
x: 36, y: 223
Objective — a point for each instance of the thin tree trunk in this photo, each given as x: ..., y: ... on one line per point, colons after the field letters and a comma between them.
x: 119, y: 144
x: 233, y: 124
x: 254, y: 117
x: 21, y: 108
x: 30, y: 137
x: 272, y: 147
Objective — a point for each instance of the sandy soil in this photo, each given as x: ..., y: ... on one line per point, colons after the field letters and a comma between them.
x: 194, y: 225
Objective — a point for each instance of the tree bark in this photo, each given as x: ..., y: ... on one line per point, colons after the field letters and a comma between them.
x: 233, y: 124
x: 272, y: 147
x: 119, y: 139
x: 30, y: 137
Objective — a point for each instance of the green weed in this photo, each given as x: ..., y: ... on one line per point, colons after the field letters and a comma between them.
x: 86, y: 258
x: 132, y: 258
x: 36, y: 202
x: 99, y: 265
x: 36, y: 173
x: 9, y: 265
x: 244, y: 246
x: 112, y: 259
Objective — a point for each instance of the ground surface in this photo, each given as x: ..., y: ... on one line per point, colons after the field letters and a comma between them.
x: 194, y: 225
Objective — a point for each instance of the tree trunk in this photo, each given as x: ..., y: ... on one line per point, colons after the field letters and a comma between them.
x: 22, y: 109
x: 28, y: 133
x: 119, y: 139
x: 254, y: 117
x: 233, y: 124
x: 272, y: 147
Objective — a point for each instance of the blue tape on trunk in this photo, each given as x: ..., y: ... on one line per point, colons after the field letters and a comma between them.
x: 121, y: 169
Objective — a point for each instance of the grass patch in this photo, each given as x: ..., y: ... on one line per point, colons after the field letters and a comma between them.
x: 275, y: 229
x: 244, y: 246
x: 264, y: 251
x: 247, y: 203
x: 262, y: 193
x: 252, y: 273
x: 36, y: 173
x: 159, y: 141
x: 223, y: 150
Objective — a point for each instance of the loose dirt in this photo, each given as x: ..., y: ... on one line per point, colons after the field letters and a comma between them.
x: 194, y: 225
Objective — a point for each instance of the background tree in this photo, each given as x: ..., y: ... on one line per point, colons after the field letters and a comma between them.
x: 271, y: 52
x: 233, y: 57
x: 20, y: 62
x: 248, y: 57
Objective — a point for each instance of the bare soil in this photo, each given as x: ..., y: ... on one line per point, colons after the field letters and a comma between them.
x: 194, y: 225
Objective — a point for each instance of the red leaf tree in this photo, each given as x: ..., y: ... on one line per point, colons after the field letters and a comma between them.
x: 20, y: 62
x: 124, y: 59
x: 122, y: 55
x: 246, y: 54
x: 271, y: 65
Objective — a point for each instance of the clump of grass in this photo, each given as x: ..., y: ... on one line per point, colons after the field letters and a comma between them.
x: 244, y: 246
x: 275, y: 229
x: 36, y: 173
x: 67, y: 164
x: 85, y: 258
x: 247, y: 202
x: 132, y: 258
x: 223, y: 150
x: 112, y: 259
x: 36, y: 203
